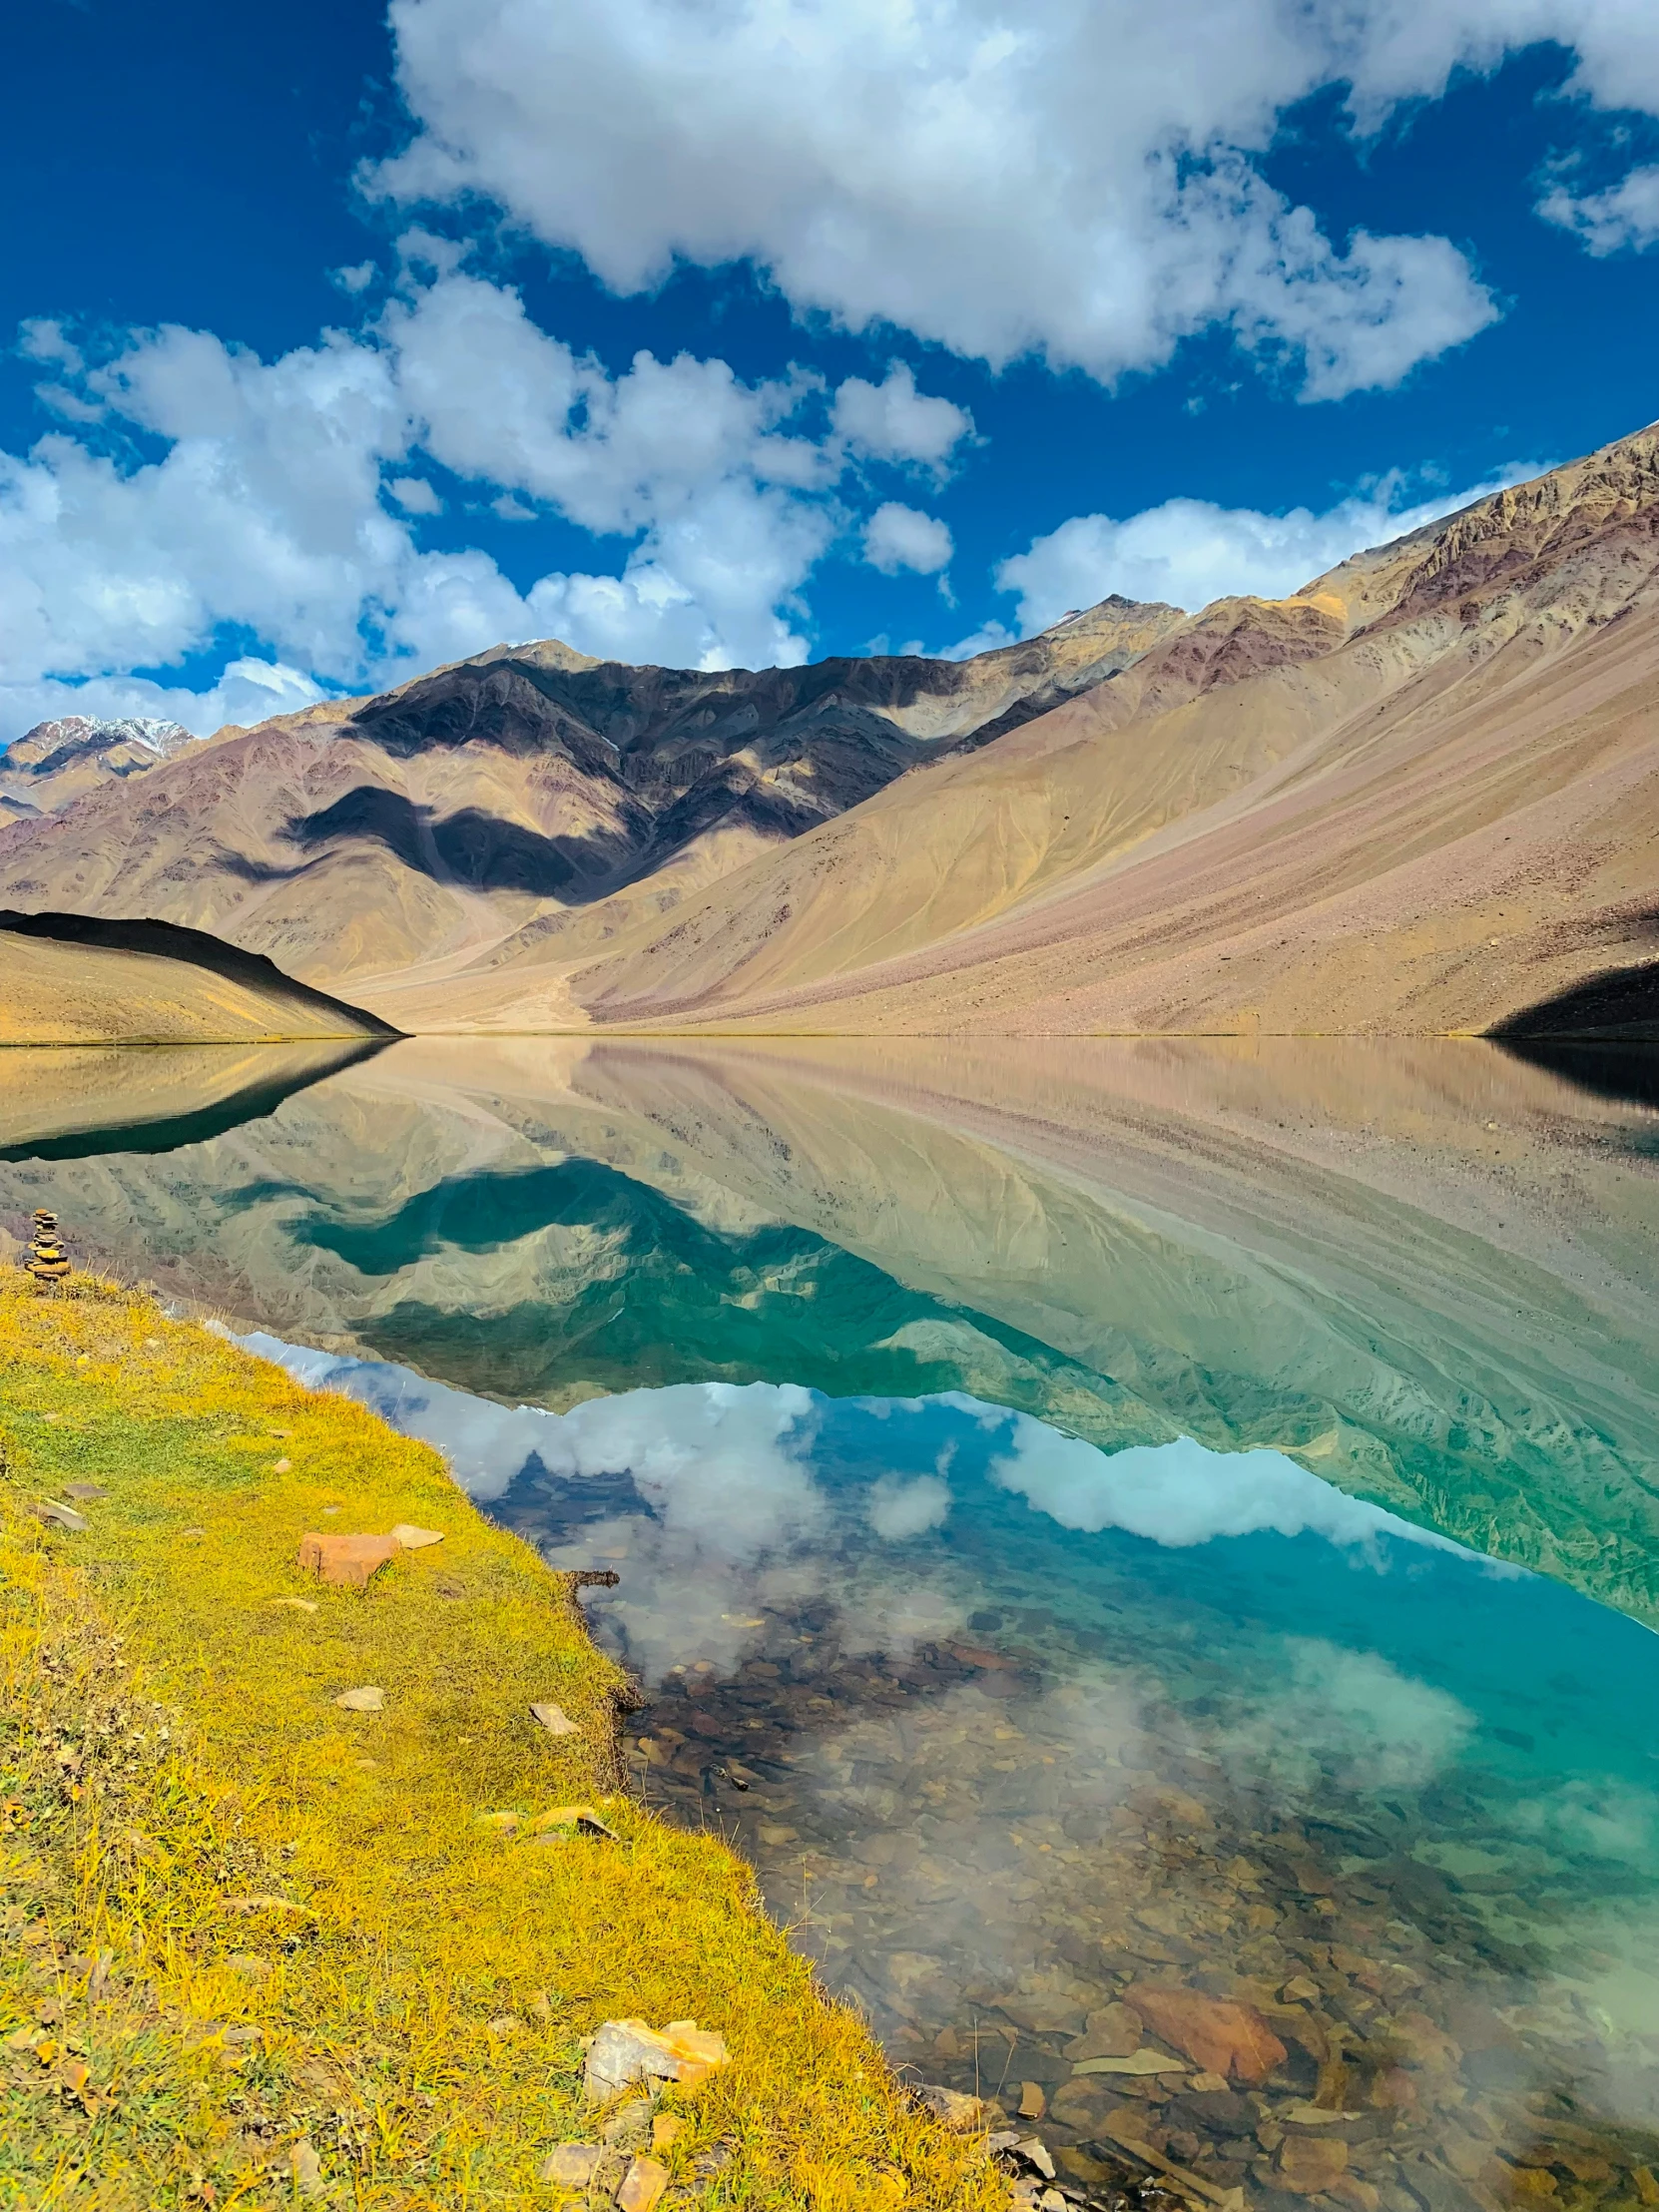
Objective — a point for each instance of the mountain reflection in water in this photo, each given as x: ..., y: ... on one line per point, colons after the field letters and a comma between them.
x: 1037, y: 1475
x: 999, y: 1760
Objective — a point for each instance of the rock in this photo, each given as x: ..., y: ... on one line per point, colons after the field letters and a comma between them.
x: 504, y: 2024
x: 307, y: 2168
x: 643, y: 2186
x: 298, y: 1604
x: 1138, y: 2062
x: 624, y: 2052
x: 953, y: 2108
x: 410, y: 1538
x: 1299, y: 1990
x: 666, y: 2128
x: 628, y: 2127
x: 1112, y: 2033
x: 58, y: 1516
x: 1160, y: 1802
x: 1032, y: 2102
x: 571, y: 2165
x: 555, y: 1720
x: 282, y: 1466
x: 1310, y: 2164
x: 367, y: 1699
x: 249, y: 1966
x: 1221, y: 2034
x: 349, y: 1561
x: 567, y: 1817
x: 84, y: 1492
x: 1036, y: 2154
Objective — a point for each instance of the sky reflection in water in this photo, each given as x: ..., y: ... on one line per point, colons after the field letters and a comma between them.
x: 1009, y: 1723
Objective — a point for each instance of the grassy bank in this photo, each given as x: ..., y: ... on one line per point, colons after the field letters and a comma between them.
x: 244, y: 1924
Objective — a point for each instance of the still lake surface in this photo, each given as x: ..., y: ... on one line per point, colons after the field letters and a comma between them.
x: 1088, y: 1519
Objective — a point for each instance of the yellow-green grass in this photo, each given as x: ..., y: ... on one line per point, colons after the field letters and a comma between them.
x: 171, y: 1750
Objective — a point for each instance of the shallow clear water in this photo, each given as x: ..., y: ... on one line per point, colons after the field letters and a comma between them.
x: 1143, y: 1591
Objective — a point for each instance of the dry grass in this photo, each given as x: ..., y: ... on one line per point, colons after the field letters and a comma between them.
x: 413, y: 2007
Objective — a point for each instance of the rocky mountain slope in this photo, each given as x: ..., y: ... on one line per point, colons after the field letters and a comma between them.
x: 527, y: 786
x: 56, y: 763
x: 67, y: 980
x: 1423, y: 794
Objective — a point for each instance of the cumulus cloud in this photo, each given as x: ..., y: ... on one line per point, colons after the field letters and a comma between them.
x: 892, y: 421
x: 1188, y: 552
x: 1185, y: 1493
x: 897, y: 1510
x: 1082, y: 184
x: 1623, y: 217
x: 898, y: 537
x: 273, y: 502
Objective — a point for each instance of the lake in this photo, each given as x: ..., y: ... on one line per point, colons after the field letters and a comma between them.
x: 1151, y: 1547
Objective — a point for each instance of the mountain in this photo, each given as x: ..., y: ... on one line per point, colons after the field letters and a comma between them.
x: 528, y: 785
x: 1420, y: 795
x: 56, y: 763
x: 67, y: 979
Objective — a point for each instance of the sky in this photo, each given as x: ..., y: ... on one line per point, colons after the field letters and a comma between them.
x: 342, y: 343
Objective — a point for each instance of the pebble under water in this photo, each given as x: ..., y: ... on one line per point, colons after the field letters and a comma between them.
x: 1015, y: 1730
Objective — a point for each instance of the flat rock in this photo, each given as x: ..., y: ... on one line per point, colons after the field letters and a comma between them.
x: 623, y: 2053
x: 408, y: 1538
x: 1220, y: 2034
x: 58, y: 1516
x: 555, y: 1719
x: 1309, y: 2164
x: 571, y: 2165
x: 368, y: 1699
x: 84, y: 1492
x: 643, y: 2186
x: 349, y: 1561
x: 953, y: 2108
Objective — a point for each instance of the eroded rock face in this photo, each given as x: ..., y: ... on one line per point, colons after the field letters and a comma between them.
x: 55, y: 763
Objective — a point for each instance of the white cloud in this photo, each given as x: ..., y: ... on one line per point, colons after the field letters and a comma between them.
x: 897, y: 1510
x: 1081, y: 182
x: 1625, y: 215
x: 265, y: 509
x: 898, y: 537
x: 1185, y: 1493
x: 1188, y: 552
x: 892, y: 421
x: 414, y: 495
x: 355, y: 280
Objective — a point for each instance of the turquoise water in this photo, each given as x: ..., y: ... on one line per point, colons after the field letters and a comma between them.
x: 1072, y: 1542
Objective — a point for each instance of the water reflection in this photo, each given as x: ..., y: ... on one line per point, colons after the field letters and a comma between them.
x: 1023, y: 1736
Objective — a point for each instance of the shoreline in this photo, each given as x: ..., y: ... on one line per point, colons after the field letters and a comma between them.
x: 261, y: 1931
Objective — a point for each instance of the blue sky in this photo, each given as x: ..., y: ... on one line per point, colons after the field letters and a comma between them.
x: 951, y: 314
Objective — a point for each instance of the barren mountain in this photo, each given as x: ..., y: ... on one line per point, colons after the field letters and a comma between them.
x: 526, y: 787
x: 67, y: 980
x: 1420, y: 795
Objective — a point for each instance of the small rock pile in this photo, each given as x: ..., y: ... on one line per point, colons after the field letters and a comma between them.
x: 47, y: 1262
x: 625, y: 2166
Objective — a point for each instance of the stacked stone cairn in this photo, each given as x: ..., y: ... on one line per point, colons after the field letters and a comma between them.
x: 47, y: 1262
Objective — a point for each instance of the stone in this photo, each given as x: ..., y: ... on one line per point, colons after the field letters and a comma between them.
x: 1310, y: 2164
x: 1032, y: 2102
x: 83, y: 1493
x: 1036, y: 2153
x: 626, y: 2053
x: 571, y: 2165
x: 566, y: 1817
x: 282, y: 1466
x: 410, y: 1538
x: 58, y: 1516
x: 666, y: 2128
x: 628, y: 2127
x: 368, y: 1699
x: 1112, y: 2033
x: 1141, y: 2061
x: 643, y: 2186
x: 307, y: 2168
x: 954, y: 2108
x: 297, y: 1604
x: 1220, y: 2034
x: 555, y: 1720
x: 249, y: 1966
x: 348, y: 1561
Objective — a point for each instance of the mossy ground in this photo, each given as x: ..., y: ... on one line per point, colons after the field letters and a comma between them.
x: 413, y: 2007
